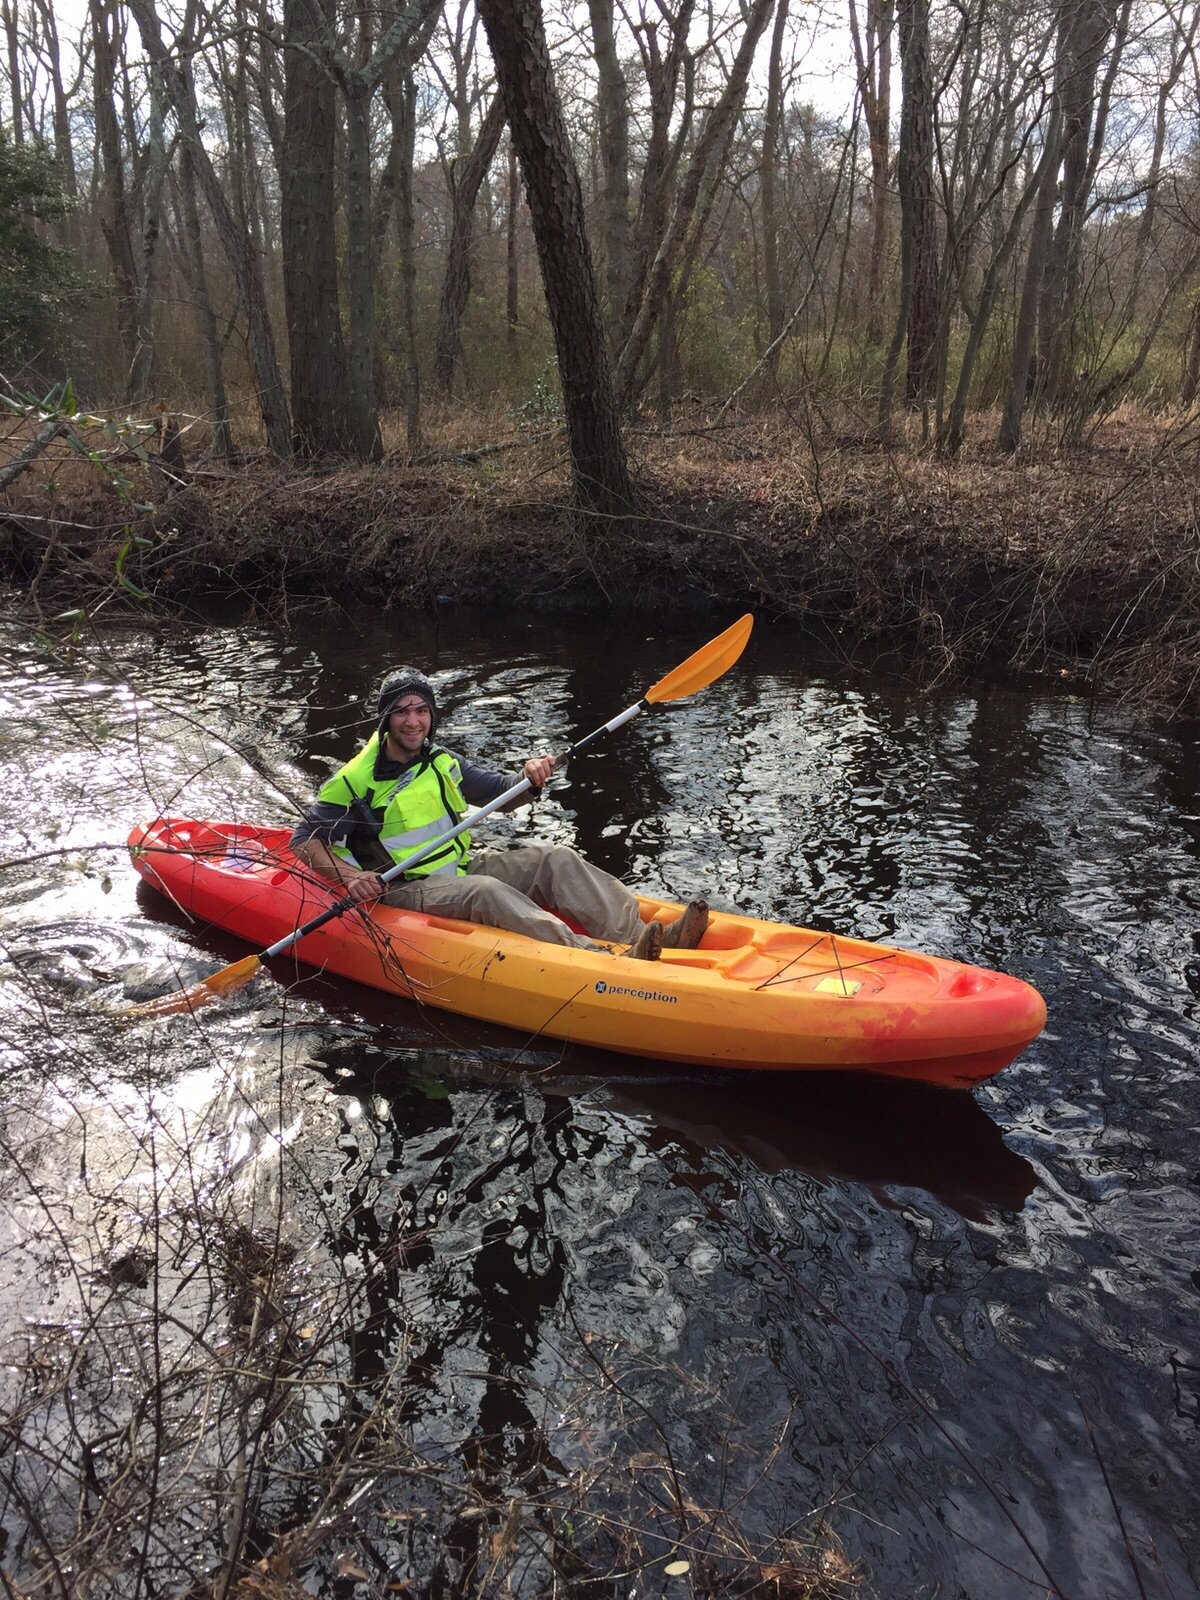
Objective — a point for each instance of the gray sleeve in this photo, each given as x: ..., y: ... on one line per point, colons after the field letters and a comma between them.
x: 329, y: 823
x: 481, y: 784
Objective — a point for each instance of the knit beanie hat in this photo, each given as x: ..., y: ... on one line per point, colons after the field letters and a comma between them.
x: 396, y: 686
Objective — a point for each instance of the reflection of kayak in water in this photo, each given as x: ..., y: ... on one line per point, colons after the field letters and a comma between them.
x: 884, y: 1134
x: 755, y: 994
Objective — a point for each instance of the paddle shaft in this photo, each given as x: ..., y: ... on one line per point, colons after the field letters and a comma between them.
x: 471, y: 818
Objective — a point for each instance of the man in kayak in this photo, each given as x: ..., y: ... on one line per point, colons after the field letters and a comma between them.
x: 402, y: 790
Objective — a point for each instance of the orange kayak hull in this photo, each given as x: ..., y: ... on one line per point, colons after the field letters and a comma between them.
x: 761, y: 995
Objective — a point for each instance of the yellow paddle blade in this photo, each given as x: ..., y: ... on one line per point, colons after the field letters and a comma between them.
x: 708, y: 663
x: 227, y: 981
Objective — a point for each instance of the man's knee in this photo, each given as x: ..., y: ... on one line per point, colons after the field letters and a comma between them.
x: 561, y: 855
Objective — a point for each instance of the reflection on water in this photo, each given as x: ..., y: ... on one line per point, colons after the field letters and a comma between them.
x: 875, y: 1132
x: 901, y: 1301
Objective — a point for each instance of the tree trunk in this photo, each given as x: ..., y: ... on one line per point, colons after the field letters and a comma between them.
x: 222, y: 437
x: 383, y: 206
x: 874, y: 64
x: 366, y: 441
x: 114, y: 214
x: 518, y: 42
x: 400, y: 42
x: 240, y: 157
x: 142, y: 367
x: 951, y: 436
x: 266, y: 71
x: 322, y: 411
x: 512, y: 276
x: 1025, y: 333
x: 918, y: 213
x: 456, y: 285
x: 1084, y: 31
x: 613, y: 119
x: 8, y: 10
x: 891, y: 362
x: 406, y: 109
x: 64, y: 152
x: 769, y: 187
x: 393, y: 76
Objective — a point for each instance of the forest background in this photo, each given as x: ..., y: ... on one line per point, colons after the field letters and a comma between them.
x: 885, y: 316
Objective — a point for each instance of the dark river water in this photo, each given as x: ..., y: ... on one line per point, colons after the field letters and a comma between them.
x: 953, y: 1335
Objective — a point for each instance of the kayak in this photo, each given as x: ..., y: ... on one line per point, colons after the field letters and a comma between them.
x: 755, y: 994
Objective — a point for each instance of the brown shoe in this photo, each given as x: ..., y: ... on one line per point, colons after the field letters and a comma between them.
x: 648, y: 944
x: 687, y: 932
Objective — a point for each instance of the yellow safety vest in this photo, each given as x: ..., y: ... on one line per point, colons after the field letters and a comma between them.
x: 417, y: 807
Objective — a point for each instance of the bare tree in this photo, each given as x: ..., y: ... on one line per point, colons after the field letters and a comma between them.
x: 242, y: 259
x: 1093, y: 396
x: 10, y: 18
x: 1025, y: 331
x: 222, y: 435
x: 682, y: 235
x: 404, y: 118
x: 323, y: 414
x: 1085, y: 32
x: 612, y: 120
x: 953, y: 430
x: 768, y: 189
x: 406, y: 33
x: 873, y: 60
x: 988, y: 139
x: 142, y: 366
x: 50, y: 62
x: 518, y: 43
x: 1046, y: 196
x: 670, y: 78
x: 1050, y: 279
x: 456, y: 283
x: 918, y: 211
x: 115, y: 214
x: 512, y: 274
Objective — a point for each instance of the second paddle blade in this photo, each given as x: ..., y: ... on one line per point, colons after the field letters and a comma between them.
x: 227, y: 981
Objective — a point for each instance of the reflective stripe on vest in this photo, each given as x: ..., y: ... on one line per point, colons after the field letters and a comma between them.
x: 419, y: 806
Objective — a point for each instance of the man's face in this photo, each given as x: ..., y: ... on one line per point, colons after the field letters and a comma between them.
x: 408, y: 724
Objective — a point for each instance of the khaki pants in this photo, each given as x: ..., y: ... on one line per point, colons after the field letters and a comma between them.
x: 514, y: 889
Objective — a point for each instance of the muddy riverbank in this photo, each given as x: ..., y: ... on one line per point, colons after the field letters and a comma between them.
x: 1079, y: 565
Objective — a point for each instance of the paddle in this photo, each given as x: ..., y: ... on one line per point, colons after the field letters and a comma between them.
x: 700, y: 669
